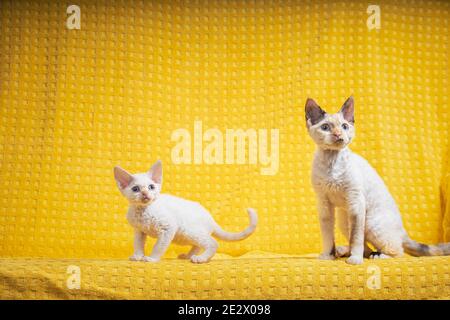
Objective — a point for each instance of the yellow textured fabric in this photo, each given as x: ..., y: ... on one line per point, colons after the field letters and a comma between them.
x: 74, y: 103
x: 446, y: 206
x: 252, y: 276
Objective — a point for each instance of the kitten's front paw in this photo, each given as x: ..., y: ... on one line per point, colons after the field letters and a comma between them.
x: 150, y: 259
x: 326, y: 256
x: 355, y: 260
x: 198, y: 259
x: 136, y: 257
x: 342, y: 251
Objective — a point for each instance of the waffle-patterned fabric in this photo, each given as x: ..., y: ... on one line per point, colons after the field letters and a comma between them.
x: 76, y: 102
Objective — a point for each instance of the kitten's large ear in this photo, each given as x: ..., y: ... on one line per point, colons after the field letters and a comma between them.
x: 348, y: 110
x: 122, y: 177
x: 155, y: 172
x: 313, y: 112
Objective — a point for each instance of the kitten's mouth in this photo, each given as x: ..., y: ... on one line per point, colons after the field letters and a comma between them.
x: 336, y: 144
x: 146, y: 200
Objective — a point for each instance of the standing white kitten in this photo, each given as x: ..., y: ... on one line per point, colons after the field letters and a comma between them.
x: 343, y: 180
x: 170, y: 219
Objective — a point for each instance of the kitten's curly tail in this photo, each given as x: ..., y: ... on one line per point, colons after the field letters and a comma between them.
x: 417, y: 249
x: 235, y: 236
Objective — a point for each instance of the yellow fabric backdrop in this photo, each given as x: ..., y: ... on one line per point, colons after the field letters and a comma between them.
x: 74, y: 103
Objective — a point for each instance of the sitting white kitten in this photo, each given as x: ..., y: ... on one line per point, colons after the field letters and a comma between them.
x: 170, y: 219
x: 343, y: 180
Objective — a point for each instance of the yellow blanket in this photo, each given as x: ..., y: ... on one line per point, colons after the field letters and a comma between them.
x: 142, y: 80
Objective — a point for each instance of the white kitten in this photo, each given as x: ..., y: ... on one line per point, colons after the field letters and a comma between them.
x: 170, y: 219
x: 343, y: 180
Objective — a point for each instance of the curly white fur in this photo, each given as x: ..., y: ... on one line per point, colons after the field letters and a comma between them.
x: 170, y: 219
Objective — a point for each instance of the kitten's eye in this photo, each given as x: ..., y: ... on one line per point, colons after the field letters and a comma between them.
x: 151, y: 187
x: 325, y: 127
x: 135, y: 189
x: 345, y: 126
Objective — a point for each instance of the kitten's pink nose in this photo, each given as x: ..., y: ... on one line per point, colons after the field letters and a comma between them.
x: 337, y: 136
